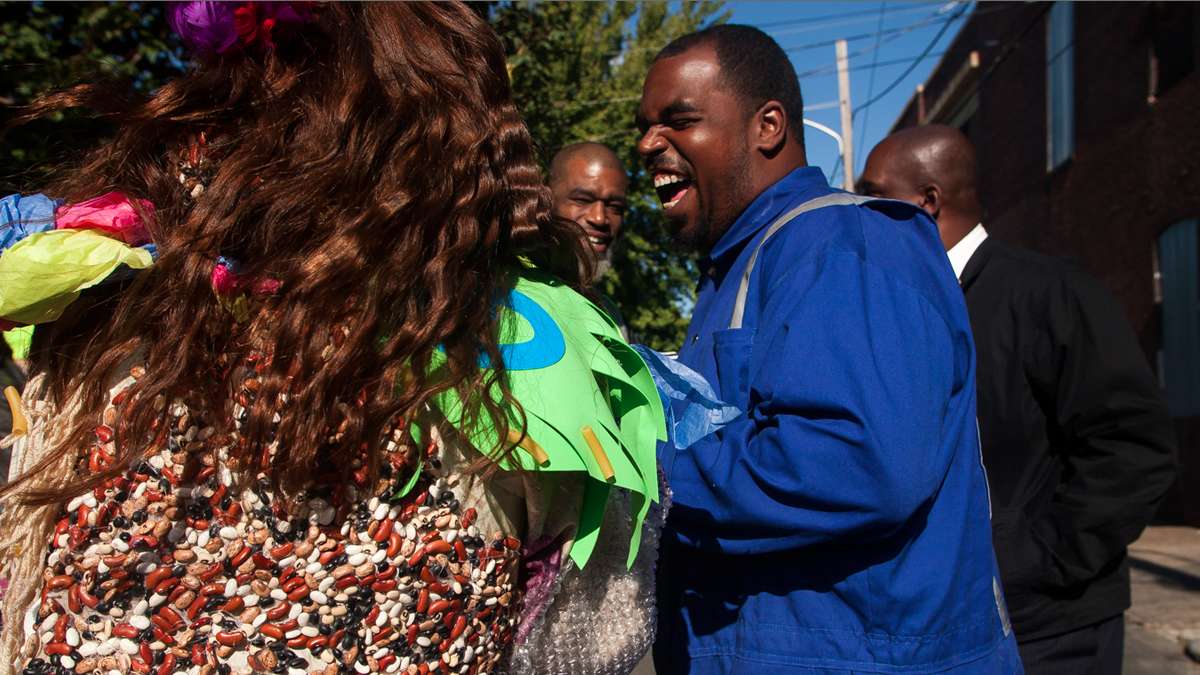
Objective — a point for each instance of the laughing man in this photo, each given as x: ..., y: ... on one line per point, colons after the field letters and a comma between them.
x: 841, y: 524
x: 589, y: 184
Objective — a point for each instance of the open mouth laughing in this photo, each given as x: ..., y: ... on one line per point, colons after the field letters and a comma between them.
x: 671, y: 188
x: 599, y: 241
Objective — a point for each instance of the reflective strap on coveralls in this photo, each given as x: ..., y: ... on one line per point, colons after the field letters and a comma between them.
x: 835, y: 199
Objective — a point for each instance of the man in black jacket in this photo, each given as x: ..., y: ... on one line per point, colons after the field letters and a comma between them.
x: 1076, y: 439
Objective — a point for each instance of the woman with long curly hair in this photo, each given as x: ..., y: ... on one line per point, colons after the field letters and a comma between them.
x: 313, y: 392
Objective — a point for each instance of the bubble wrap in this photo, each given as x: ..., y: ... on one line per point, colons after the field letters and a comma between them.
x: 602, y: 618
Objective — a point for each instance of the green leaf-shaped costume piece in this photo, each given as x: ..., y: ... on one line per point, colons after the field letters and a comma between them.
x: 590, y: 403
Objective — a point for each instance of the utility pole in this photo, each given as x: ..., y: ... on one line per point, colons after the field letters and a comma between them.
x: 843, y: 68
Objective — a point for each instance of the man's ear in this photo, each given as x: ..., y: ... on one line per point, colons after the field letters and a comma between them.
x: 770, y: 128
x: 931, y: 200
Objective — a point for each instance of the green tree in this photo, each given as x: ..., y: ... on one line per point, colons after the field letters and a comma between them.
x: 46, y: 46
x: 577, y: 71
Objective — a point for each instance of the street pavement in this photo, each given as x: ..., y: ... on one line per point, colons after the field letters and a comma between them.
x: 1165, y: 571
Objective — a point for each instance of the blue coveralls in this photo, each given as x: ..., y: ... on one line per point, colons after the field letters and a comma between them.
x: 842, y: 523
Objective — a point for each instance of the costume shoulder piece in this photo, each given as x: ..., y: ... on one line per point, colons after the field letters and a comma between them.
x: 590, y: 403
x: 50, y: 252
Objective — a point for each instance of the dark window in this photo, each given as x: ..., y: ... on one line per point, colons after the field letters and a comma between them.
x: 1060, y: 84
x: 1179, y: 269
x: 1173, y: 44
x: 965, y: 115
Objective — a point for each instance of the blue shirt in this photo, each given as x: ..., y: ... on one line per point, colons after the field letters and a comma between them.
x: 842, y: 523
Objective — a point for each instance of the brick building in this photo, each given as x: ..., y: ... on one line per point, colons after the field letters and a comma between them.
x: 1085, y: 117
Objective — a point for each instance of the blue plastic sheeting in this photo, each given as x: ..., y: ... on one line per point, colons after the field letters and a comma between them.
x: 692, y: 407
x: 21, y: 216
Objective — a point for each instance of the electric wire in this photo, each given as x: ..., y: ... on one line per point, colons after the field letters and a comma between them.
x: 934, y: 19
x: 870, y: 86
x: 833, y: 24
x: 928, y: 48
x: 832, y: 68
x: 836, y: 15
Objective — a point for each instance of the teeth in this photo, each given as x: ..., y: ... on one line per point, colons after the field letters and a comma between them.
x: 667, y: 179
x: 673, y: 202
x: 596, y: 240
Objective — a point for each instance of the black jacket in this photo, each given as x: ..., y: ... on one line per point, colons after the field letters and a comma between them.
x: 1076, y: 439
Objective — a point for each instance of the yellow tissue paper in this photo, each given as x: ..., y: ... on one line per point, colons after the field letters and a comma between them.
x: 43, y: 273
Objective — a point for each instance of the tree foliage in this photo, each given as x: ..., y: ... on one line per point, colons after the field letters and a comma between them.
x: 577, y: 71
x: 576, y: 68
x: 46, y: 46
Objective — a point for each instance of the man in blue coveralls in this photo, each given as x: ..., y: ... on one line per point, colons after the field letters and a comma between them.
x: 841, y: 524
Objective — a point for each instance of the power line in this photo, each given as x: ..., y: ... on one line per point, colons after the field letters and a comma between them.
x: 812, y: 24
x: 934, y: 19
x: 931, y: 19
x: 891, y: 33
x: 928, y: 48
x: 927, y: 21
x: 871, y: 85
x: 808, y: 28
x: 894, y: 34
x: 830, y: 69
x: 1009, y: 47
x: 825, y: 105
x: 838, y: 15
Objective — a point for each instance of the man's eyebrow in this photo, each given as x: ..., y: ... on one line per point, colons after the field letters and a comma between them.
x: 582, y: 192
x: 674, y: 108
x: 678, y: 108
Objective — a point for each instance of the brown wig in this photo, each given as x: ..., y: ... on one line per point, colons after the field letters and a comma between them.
x: 374, y: 163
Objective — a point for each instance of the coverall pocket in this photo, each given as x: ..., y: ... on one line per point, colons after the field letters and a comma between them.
x: 731, y: 349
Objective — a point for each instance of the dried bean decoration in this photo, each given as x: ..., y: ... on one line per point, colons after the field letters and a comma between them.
x: 152, y: 573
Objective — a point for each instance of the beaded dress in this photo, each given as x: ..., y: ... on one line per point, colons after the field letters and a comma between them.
x: 182, y: 565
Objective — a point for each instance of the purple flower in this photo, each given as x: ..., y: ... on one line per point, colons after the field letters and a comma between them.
x: 286, y: 12
x: 207, y: 27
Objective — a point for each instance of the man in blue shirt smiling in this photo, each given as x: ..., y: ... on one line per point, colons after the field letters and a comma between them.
x: 841, y: 524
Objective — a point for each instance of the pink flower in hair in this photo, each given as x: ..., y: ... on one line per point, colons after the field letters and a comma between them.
x: 224, y: 280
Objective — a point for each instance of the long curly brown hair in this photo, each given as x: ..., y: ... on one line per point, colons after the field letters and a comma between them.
x: 375, y: 164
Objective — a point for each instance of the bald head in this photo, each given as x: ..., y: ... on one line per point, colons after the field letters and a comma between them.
x: 589, y: 184
x: 933, y: 167
x: 583, y: 153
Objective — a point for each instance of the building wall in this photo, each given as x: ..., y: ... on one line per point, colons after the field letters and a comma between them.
x: 1135, y: 170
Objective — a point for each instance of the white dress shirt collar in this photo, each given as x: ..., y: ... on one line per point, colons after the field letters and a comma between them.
x: 961, y: 252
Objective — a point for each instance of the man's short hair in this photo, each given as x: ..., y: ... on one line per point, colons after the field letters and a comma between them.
x: 752, y: 65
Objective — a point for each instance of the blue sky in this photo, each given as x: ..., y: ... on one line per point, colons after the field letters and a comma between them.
x: 887, y: 38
